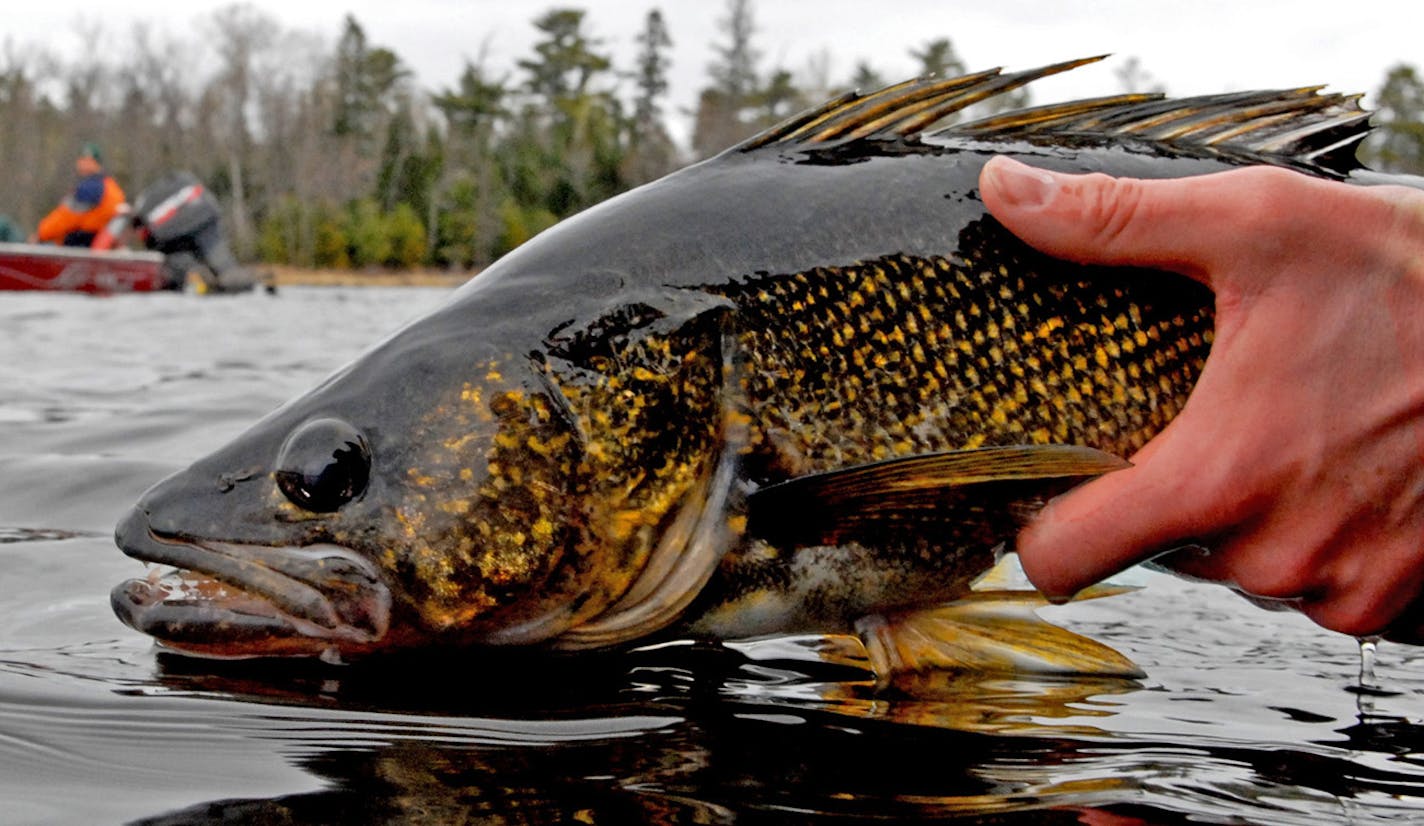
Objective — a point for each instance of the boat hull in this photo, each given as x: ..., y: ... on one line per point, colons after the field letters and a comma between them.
x: 78, y: 269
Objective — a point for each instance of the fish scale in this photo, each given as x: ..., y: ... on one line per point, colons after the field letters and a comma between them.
x: 1012, y: 347
x: 1048, y: 354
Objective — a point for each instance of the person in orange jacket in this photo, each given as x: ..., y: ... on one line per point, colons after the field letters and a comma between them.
x: 86, y: 211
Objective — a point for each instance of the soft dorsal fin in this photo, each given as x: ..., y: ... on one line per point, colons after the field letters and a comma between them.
x: 950, y: 489
x: 1303, y: 124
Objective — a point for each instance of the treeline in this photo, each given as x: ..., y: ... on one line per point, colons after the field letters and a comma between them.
x: 331, y: 156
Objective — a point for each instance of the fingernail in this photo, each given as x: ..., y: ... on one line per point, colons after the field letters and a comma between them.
x: 1021, y: 185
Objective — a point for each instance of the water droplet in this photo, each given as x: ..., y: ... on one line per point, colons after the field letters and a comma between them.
x: 1368, y: 687
x: 1367, y: 661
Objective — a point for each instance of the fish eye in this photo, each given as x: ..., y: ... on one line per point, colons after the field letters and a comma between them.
x: 324, y: 464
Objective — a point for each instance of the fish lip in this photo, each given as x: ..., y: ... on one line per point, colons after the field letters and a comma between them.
x: 226, y: 599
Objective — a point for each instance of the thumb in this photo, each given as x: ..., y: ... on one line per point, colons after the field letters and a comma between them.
x: 1171, y: 224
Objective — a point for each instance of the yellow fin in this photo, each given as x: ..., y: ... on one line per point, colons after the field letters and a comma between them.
x: 988, y: 631
x: 1006, y: 575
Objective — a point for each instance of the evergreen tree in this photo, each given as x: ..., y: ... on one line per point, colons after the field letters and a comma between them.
x: 350, y: 99
x: 721, y: 111
x: 865, y: 79
x: 939, y: 59
x: 410, y: 169
x: 565, y: 61
x: 778, y: 99
x: 474, y: 104
x: 651, y: 74
x: 734, y: 73
x: 651, y: 153
x: 466, y: 223
x: 1133, y: 78
x: 366, y: 78
x: 1397, y: 144
x: 566, y: 149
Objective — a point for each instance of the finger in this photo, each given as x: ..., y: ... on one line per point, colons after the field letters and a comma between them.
x: 1167, y: 497
x: 1266, y: 561
x: 1287, y: 566
x: 1195, y: 226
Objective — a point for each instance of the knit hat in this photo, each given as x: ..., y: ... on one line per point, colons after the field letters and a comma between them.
x: 90, y: 149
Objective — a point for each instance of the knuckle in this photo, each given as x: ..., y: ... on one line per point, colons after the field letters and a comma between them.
x: 1404, y: 217
x: 1354, y: 618
x: 1366, y: 592
x: 1255, y: 565
x: 1269, y: 202
x: 1111, y: 207
x: 1359, y: 608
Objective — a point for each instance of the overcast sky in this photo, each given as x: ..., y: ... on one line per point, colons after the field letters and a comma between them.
x: 1190, y: 46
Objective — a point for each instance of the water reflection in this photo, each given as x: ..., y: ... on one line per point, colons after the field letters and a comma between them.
x: 767, y: 733
x: 679, y: 734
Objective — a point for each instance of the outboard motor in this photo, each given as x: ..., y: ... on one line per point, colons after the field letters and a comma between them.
x: 177, y: 216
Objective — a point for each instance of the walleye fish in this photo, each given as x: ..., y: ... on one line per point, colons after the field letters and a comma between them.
x: 808, y: 385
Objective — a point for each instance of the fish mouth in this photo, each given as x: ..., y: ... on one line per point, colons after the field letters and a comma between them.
x: 223, y: 599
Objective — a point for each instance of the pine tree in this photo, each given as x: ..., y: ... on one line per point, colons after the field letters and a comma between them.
x: 939, y: 59
x: 651, y: 74
x: 565, y: 60
x: 651, y: 153
x: 1397, y: 144
x: 366, y: 78
x: 866, y: 79
x: 722, y: 118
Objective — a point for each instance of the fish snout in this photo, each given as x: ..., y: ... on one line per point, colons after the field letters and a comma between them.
x: 230, y: 600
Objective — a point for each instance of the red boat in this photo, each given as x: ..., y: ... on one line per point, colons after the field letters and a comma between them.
x: 179, y: 223
x: 79, y: 269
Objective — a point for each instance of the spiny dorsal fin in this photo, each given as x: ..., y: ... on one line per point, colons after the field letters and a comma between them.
x: 1302, y: 124
x: 902, y: 110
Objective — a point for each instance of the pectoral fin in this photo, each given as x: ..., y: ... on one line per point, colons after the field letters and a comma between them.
x: 917, y: 493
x: 988, y: 631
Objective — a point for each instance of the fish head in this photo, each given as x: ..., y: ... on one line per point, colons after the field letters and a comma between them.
x: 470, y: 481
x: 429, y: 493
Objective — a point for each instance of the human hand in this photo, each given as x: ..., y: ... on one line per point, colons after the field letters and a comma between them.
x: 1298, y: 460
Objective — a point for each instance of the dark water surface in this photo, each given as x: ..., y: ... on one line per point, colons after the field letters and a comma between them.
x: 1245, y: 716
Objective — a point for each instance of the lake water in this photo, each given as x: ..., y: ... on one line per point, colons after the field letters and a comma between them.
x: 1244, y: 716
